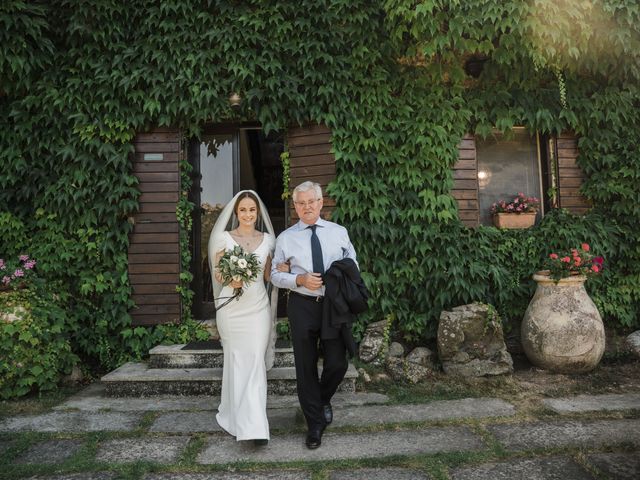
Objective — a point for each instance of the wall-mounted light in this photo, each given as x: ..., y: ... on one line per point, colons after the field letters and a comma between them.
x: 484, y: 178
x: 235, y: 100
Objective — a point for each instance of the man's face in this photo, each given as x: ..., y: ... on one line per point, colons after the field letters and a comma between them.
x: 308, y: 206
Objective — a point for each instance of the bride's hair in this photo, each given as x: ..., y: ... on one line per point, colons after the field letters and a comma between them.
x: 242, y: 197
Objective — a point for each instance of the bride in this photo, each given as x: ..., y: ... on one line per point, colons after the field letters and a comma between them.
x: 246, y: 324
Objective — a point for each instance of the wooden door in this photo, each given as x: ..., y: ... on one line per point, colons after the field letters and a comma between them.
x: 154, y: 249
x: 311, y: 159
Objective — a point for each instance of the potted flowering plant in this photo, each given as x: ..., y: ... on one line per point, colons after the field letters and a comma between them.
x: 572, y: 262
x: 15, y: 274
x: 518, y: 213
x: 562, y: 329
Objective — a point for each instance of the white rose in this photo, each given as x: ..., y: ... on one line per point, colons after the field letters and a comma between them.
x: 242, y: 263
x: 234, y: 259
x: 249, y: 273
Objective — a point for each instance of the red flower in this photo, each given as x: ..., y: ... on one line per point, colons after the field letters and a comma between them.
x: 585, y: 247
x: 565, y: 259
x: 595, y: 267
x: 553, y: 256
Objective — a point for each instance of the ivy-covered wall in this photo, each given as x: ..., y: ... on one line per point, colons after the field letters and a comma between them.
x: 78, y: 79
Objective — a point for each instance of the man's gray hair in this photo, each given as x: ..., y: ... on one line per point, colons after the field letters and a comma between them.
x: 305, y: 187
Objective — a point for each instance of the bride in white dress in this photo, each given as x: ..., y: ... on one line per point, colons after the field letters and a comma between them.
x: 246, y: 324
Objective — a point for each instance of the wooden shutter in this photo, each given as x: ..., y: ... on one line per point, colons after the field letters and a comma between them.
x: 465, y: 182
x: 154, y: 250
x: 311, y: 159
x: 570, y: 175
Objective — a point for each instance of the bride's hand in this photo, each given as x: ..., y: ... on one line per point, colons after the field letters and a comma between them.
x: 283, y: 267
x: 236, y: 284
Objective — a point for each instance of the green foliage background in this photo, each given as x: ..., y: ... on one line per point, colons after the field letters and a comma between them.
x: 78, y: 79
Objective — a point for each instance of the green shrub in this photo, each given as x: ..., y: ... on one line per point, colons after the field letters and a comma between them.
x: 34, y: 343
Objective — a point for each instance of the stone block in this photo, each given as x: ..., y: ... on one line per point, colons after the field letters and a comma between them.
x: 379, y: 474
x: 471, y: 342
x: 72, y: 422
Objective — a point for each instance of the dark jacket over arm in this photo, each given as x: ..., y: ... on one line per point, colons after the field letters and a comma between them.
x: 345, y: 296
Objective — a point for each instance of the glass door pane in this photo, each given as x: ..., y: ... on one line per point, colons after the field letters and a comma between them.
x: 217, y: 189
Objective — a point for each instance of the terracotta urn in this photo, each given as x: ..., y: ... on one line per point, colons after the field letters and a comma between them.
x: 562, y: 330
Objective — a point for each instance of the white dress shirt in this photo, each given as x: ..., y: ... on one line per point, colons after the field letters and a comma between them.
x: 294, y: 246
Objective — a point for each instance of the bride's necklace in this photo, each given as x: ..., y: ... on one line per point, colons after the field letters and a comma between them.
x: 245, y: 241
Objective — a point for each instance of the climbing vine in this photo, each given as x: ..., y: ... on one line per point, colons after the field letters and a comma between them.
x: 78, y: 79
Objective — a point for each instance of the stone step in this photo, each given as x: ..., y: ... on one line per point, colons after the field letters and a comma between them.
x: 211, y: 356
x: 137, y: 379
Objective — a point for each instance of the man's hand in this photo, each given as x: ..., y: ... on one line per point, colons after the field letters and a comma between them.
x: 311, y: 281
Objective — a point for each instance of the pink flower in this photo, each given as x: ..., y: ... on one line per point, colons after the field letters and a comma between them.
x: 553, y: 256
x: 29, y: 264
x: 6, y: 280
x: 595, y: 267
x: 565, y: 259
x: 585, y: 247
x: 2, y: 267
x: 24, y: 258
x: 18, y: 273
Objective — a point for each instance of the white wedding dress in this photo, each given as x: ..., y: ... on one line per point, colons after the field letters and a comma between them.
x: 245, y: 330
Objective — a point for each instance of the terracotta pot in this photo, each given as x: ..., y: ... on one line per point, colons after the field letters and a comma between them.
x: 562, y: 330
x: 514, y: 220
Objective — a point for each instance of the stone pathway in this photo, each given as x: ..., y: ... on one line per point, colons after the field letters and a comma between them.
x: 174, y: 437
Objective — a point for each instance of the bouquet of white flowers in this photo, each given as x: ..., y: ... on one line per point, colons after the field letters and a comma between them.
x: 238, y: 265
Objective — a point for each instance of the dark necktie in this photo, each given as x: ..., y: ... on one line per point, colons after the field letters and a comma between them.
x: 316, y: 251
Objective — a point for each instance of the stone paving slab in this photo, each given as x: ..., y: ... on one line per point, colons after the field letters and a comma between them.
x: 272, y: 475
x: 198, y: 422
x: 186, y: 422
x: 159, y: 450
x: 336, y: 446
x: 50, y: 451
x: 438, y: 410
x: 569, y: 433
x: 93, y: 398
x: 72, y: 422
x: 379, y: 474
x: 591, y: 403
x: 621, y: 466
x: 547, y: 468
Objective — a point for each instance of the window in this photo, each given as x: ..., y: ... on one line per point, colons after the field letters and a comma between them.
x: 507, y: 165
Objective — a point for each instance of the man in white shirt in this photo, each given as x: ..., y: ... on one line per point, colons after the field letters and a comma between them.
x: 310, y: 247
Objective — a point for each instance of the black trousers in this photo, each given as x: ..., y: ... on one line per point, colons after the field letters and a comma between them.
x: 305, y: 320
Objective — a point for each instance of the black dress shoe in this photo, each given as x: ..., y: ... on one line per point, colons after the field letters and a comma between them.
x: 314, y: 438
x: 260, y: 442
x: 327, y: 411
